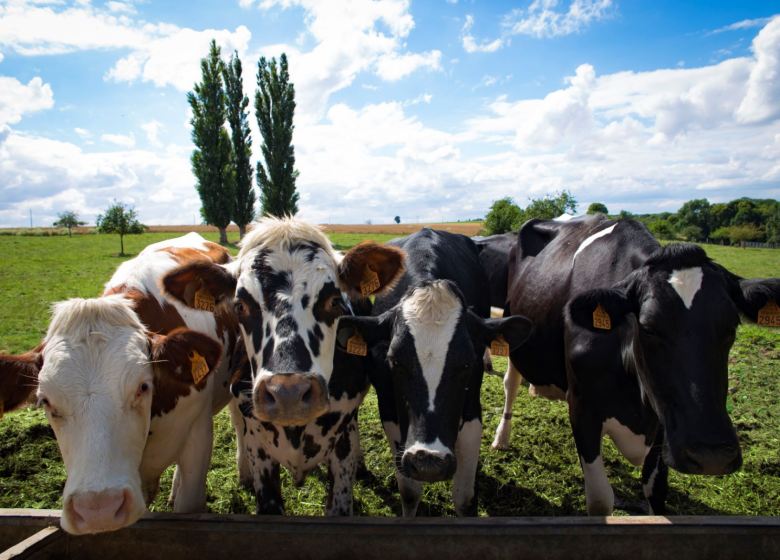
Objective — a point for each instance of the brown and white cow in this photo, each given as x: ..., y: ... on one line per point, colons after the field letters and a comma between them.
x: 129, y: 383
x: 288, y: 288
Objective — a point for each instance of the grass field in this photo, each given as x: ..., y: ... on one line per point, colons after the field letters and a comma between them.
x: 539, y: 476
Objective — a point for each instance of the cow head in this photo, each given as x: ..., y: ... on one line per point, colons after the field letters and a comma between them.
x: 99, y: 375
x: 674, y: 320
x: 431, y: 345
x: 287, y: 287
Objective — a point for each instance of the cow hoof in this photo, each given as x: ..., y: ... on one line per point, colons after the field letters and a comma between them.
x: 500, y: 446
x: 246, y: 483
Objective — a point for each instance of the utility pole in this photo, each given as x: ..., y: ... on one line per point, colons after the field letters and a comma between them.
x: 30, y: 218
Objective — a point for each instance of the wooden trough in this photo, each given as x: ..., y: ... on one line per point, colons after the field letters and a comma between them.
x: 30, y: 533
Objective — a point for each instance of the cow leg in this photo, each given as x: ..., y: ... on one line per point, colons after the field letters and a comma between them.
x: 194, y: 465
x: 464, y: 485
x: 239, y: 425
x: 342, y: 469
x: 174, y: 486
x: 512, y: 381
x: 655, y: 475
x: 588, y: 433
x: 488, y: 359
x: 410, y: 490
x: 266, y: 482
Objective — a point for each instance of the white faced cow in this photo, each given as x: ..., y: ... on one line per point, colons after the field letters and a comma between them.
x: 124, y: 380
x: 428, y: 336
x: 288, y: 288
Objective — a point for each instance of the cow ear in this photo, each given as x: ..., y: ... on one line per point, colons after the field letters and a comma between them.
x: 515, y: 330
x: 372, y: 330
x: 184, y: 282
x: 19, y: 378
x: 185, y: 355
x: 600, y: 310
x: 760, y: 300
x: 370, y: 268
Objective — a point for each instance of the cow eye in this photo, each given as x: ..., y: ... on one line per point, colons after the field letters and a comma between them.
x: 143, y: 389
x: 239, y: 308
x: 335, y: 302
x: 44, y: 403
x: 648, y: 331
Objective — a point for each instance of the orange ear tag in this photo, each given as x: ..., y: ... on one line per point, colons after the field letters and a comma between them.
x: 370, y: 282
x: 769, y: 315
x: 499, y: 347
x: 356, y: 345
x: 204, y: 301
x: 200, y: 368
x: 601, y: 319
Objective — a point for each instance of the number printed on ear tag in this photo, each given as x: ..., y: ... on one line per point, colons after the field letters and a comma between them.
x: 200, y: 368
x: 601, y: 319
x: 204, y: 300
x: 499, y: 347
x: 370, y: 282
x: 769, y: 315
x: 356, y: 345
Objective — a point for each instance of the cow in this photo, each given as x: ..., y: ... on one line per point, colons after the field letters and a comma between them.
x: 287, y: 289
x: 635, y: 336
x: 129, y: 383
x: 427, y: 336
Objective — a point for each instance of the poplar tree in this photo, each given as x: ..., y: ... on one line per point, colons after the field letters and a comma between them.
x: 211, y: 160
x: 275, y: 108
x: 237, y: 115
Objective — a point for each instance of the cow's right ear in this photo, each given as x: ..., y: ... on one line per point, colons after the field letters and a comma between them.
x: 372, y: 330
x: 184, y: 282
x: 185, y: 355
x: 19, y: 378
x: 600, y: 310
x: 370, y: 268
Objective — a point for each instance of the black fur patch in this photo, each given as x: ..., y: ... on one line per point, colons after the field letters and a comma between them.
x: 327, y: 421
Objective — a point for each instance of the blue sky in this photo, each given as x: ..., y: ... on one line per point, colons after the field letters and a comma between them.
x: 428, y: 110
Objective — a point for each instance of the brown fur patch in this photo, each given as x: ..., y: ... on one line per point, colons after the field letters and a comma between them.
x: 19, y: 378
x: 182, y: 283
x: 214, y: 253
x: 387, y: 261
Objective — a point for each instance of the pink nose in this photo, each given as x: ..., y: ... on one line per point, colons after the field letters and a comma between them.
x: 100, y: 511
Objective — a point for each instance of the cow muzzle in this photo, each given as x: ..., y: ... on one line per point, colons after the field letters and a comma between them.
x: 428, y: 466
x: 290, y: 399
x: 95, y: 512
x: 708, y: 459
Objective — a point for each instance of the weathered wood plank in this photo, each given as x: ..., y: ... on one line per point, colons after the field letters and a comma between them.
x: 33, y: 544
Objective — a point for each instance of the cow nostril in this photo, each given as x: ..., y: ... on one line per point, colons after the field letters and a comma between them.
x: 307, y: 396
x: 269, y: 397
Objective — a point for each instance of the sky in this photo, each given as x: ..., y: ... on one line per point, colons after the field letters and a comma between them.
x: 429, y: 110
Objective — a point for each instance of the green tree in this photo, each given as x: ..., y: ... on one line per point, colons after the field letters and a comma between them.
x: 721, y: 234
x: 68, y: 219
x: 625, y: 215
x: 695, y: 213
x: 122, y: 220
x: 550, y: 207
x: 237, y: 116
x: 742, y: 233
x: 773, y: 228
x: 275, y: 109
x: 503, y: 216
x: 397, y: 219
x: 212, y: 159
x: 691, y: 233
x: 662, y: 229
x: 597, y: 208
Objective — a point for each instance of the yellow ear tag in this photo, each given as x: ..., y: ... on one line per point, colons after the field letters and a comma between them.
x: 370, y: 282
x: 499, y: 347
x: 199, y: 366
x: 204, y: 300
x: 769, y: 315
x: 356, y: 345
x: 601, y: 319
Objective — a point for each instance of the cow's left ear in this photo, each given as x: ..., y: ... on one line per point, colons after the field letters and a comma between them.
x: 515, y: 329
x: 759, y: 295
x: 19, y: 378
x: 370, y: 268
x: 372, y: 330
x: 185, y: 355
x: 600, y: 310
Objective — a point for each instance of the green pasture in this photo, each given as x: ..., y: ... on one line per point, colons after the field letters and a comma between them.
x: 539, y: 476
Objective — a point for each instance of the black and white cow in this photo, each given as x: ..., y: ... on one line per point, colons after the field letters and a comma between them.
x: 636, y: 336
x: 427, y: 337
x: 288, y: 288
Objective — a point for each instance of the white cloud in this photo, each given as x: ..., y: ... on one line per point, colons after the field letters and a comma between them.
x: 422, y: 98
x: 470, y: 44
x: 542, y: 18
x: 152, y: 129
x: 744, y: 24
x: 82, y: 132
x: 393, y: 66
x: 762, y: 101
x: 122, y: 140
x: 18, y: 99
x: 120, y: 7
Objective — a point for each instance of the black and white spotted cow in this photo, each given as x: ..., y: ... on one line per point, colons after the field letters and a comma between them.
x: 288, y: 288
x: 427, y: 336
x: 636, y: 336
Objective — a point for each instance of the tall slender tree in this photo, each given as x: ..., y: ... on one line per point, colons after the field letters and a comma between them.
x: 237, y: 115
x: 275, y: 108
x: 211, y: 160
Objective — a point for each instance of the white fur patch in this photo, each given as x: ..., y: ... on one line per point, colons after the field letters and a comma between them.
x: 687, y: 283
x: 434, y: 448
x: 599, y: 497
x: 432, y: 313
x: 592, y: 238
x: 632, y: 446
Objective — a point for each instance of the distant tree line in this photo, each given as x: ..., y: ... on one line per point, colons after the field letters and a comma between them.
x: 505, y: 215
x: 221, y: 161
